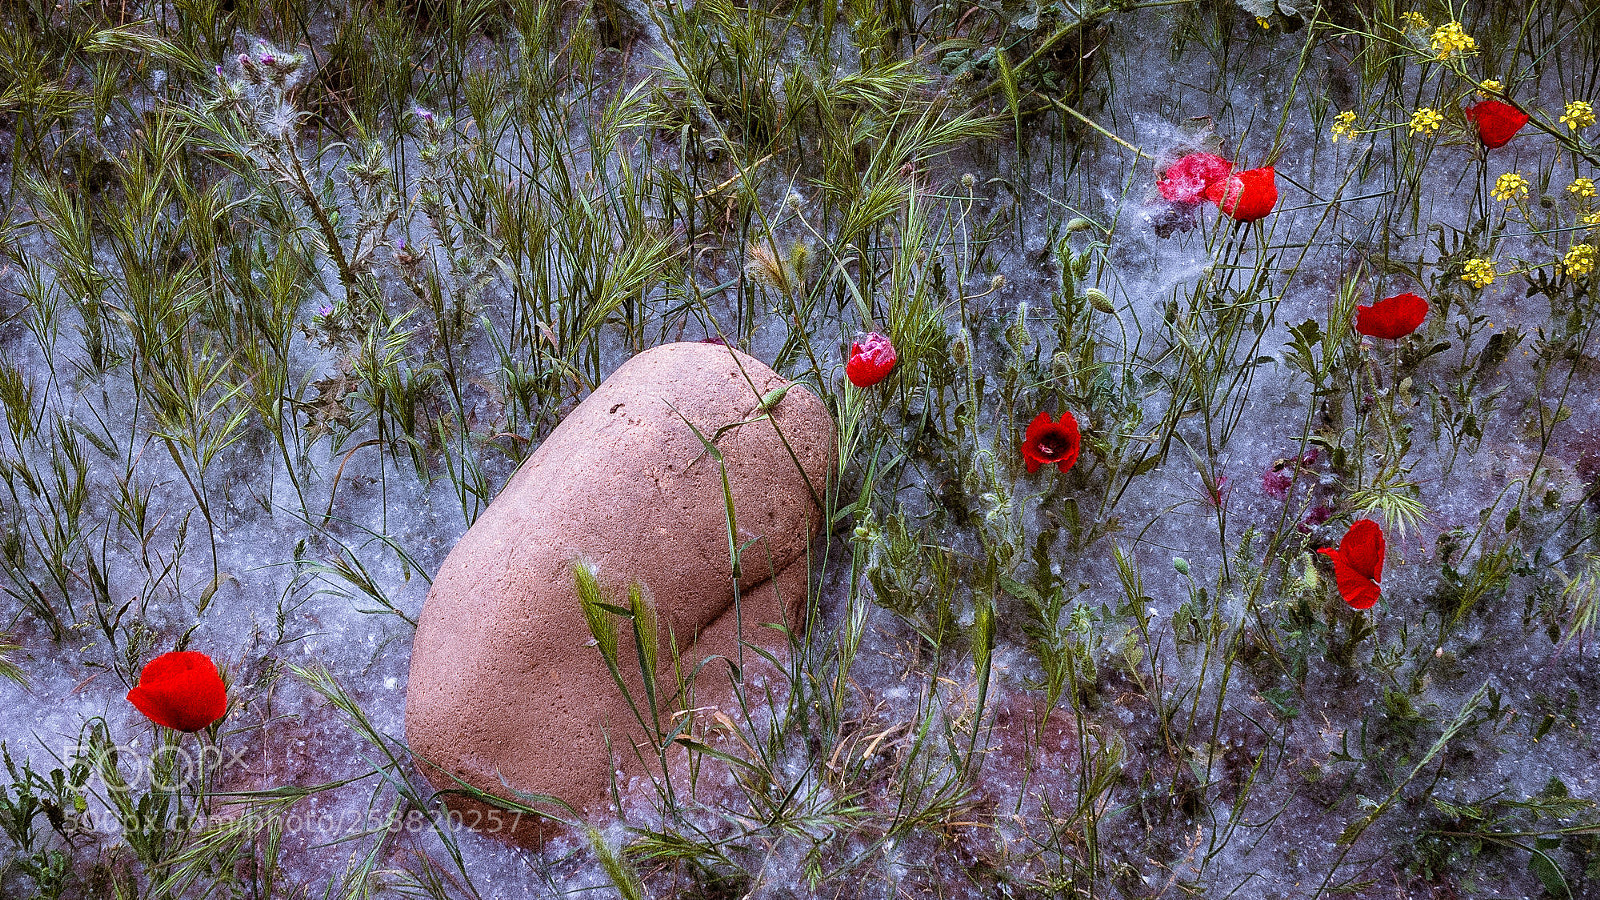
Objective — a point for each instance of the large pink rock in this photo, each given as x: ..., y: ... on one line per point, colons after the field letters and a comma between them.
x: 508, y: 692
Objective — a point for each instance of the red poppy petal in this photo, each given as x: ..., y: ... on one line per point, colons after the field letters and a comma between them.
x: 174, y: 664
x: 1497, y: 122
x: 1069, y: 428
x: 1392, y: 317
x: 1070, y: 423
x: 1038, y: 425
x: 180, y: 690
x: 188, y: 703
x: 1037, y: 429
x: 1030, y: 440
x: 1048, y: 442
x: 1247, y: 196
x: 864, y: 373
x: 157, y: 706
x: 1224, y: 187
x: 1364, y: 547
x: 1357, y: 590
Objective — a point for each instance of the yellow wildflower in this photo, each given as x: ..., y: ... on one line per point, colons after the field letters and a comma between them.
x: 1592, y: 219
x: 1581, y: 187
x: 1509, y: 187
x: 1490, y: 86
x: 1478, y: 272
x: 1264, y: 22
x: 1451, y: 39
x: 1426, y: 120
x: 1579, y: 115
x: 1344, y: 126
x: 1579, y: 260
x: 1413, y: 21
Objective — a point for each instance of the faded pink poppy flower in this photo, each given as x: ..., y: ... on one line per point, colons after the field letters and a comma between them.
x: 871, y: 359
x: 1187, y: 180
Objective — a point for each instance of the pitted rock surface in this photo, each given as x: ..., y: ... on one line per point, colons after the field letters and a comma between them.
x: 508, y: 693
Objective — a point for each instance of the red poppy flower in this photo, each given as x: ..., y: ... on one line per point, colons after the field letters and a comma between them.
x: 1358, y: 563
x: 1246, y: 196
x: 871, y: 358
x: 180, y: 690
x: 1187, y: 180
x: 1047, y: 442
x: 1497, y: 122
x: 1392, y: 317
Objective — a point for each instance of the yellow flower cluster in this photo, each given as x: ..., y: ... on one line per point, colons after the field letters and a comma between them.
x: 1592, y: 219
x: 1509, y: 187
x: 1478, y: 272
x: 1451, y: 39
x: 1426, y: 120
x: 1413, y: 21
x: 1579, y: 115
x: 1582, y: 188
x: 1490, y: 86
x: 1579, y: 260
x: 1344, y: 126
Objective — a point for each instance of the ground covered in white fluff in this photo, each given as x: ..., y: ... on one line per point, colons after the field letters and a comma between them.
x: 1133, y: 679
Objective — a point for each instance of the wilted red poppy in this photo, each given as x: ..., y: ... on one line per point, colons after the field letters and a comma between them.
x: 1392, y: 317
x: 871, y: 358
x: 1358, y: 563
x: 180, y: 690
x: 1187, y: 180
x: 1047, y: 442
x: 1497, y: 122
x: 1246, y: 196
x: 1276, y: 483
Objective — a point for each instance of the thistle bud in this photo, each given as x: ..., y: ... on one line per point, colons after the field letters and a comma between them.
x: 960, y: 350
x: 1017, y: 335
